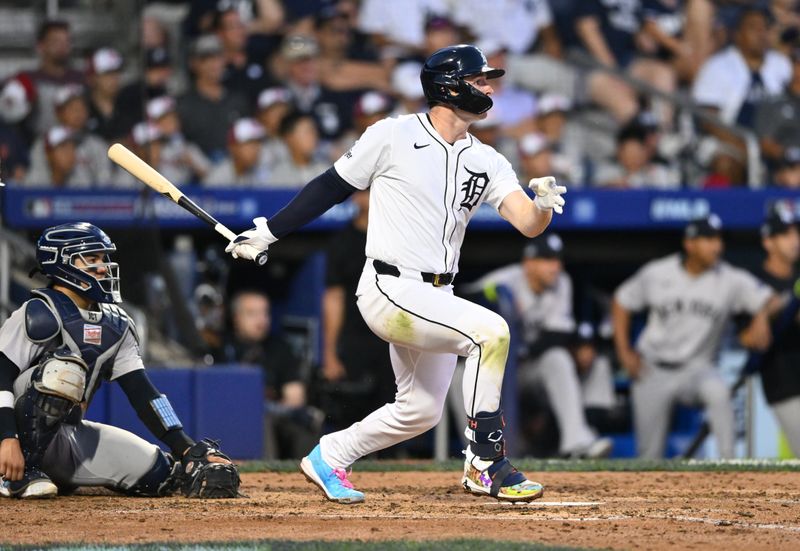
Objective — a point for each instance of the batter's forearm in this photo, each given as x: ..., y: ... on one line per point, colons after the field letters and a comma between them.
x: 320, y: 194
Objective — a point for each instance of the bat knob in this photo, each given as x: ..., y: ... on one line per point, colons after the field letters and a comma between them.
x: 261, y: 259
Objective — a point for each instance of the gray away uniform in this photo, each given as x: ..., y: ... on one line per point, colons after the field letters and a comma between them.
x: 554, y: 368
x: 680, y: 342
x: 83, y: 453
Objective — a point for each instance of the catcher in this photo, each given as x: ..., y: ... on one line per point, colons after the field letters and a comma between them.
x: 55, y: 351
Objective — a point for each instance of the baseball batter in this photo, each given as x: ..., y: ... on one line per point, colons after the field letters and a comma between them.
x: 690, y: 297
x: 427, y: 176
x: 55, y: 351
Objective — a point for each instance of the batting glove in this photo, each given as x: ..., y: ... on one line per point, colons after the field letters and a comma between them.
x: 251, y: 243
x: 548, y: 193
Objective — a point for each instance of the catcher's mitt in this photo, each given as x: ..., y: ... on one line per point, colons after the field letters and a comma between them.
x: 207, y: 479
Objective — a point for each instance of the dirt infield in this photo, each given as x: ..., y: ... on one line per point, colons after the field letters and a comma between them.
x: 651, y: 510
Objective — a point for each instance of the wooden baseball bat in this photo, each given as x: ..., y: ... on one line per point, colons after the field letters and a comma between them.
x: 128, y: 160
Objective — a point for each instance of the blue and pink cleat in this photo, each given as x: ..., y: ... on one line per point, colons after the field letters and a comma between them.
x: 333, y: 482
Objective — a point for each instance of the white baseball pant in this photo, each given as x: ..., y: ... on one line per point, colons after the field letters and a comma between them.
x: 427, y: 328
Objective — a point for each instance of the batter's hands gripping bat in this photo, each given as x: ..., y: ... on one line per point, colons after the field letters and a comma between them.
x: 150, y: 176
x: 779, y: 326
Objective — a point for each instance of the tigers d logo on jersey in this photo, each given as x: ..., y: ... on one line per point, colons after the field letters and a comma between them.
x: 473, y: 188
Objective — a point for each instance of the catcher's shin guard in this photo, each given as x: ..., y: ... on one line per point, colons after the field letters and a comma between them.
x: 162, y: 479
x: 487, y: 471
x: 55, y: 390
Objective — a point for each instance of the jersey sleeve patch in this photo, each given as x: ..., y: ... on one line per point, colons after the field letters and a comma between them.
x: 41, y: 324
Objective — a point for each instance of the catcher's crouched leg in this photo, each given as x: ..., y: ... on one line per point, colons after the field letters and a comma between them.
x: 206, y: 472
x: 163, y: 478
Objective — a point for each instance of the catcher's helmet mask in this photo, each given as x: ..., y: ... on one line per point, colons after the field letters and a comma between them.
x: 60, y: 247
x: 443, y: 76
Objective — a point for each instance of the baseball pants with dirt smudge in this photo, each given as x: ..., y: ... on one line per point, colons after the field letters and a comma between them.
x: 427, y: 328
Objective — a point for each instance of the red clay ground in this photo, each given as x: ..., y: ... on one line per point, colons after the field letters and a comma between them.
x: 651, y: 510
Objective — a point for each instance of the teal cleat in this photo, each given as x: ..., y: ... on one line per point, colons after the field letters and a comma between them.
x: 333, y: 482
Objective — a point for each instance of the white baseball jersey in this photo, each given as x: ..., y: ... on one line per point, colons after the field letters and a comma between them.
x: 688, y: 313
x: 423, y: 190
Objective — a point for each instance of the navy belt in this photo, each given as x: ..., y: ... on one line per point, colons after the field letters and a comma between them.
x: 437, y: 280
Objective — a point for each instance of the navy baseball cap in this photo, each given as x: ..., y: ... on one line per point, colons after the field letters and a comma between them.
x: 707, y: 226
x: 544, y: 246
x: 779, y: 220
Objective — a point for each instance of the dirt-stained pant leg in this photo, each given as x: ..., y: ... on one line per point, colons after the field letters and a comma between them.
x: 788, y: 414
x: 428, y: 328
x: 94, y: 454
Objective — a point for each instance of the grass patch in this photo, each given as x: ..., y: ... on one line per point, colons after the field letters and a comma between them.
x: 267, y: 545
x: 558, y: 465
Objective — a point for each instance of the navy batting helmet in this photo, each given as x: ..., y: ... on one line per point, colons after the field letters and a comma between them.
x: 443, y: 76
x: 60, y: 246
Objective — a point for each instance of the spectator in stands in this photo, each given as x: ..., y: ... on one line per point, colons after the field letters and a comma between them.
x: 356, y: 371
x: 343, y: 64
x: 732, y: 82
x: 259, y: 16
x: 252, y: 341
x: 272, y: 106
x: 242, y: 74
x: 302, y: 162
x: 91, y: 153
x: 407, y: 88
x: 147, y: 141
x: 371, y: 107
x: 691, y: 297
x: 551, y: 116
x: 54, y: 46
x: 780, y: 377
x: 664, y: 25
x: 299, y: 61
x: 542, y: 293
x: 514, y: 108
x: 636, y: 165
x: 129, y: 108
x: 208, y: 109
x: 241, y: 168
x: 537, y: 156
x: 787, y: 170
x: 777, y: 120
x: 398, y: 28
x: 103, y: 79
x: 58, y: 167
x: 609, y: 33
x: 440, y: 32
x: 182, y: 162
x: 17, y: 100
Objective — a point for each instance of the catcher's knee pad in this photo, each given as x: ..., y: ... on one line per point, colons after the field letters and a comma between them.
x: 485, y: 434
x: 56, y: 388
x: 161, y: 480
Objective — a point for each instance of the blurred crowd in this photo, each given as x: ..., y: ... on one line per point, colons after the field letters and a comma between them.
x: 267, y: 93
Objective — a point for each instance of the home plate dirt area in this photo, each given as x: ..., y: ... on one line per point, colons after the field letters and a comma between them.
x: 617, y: 510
